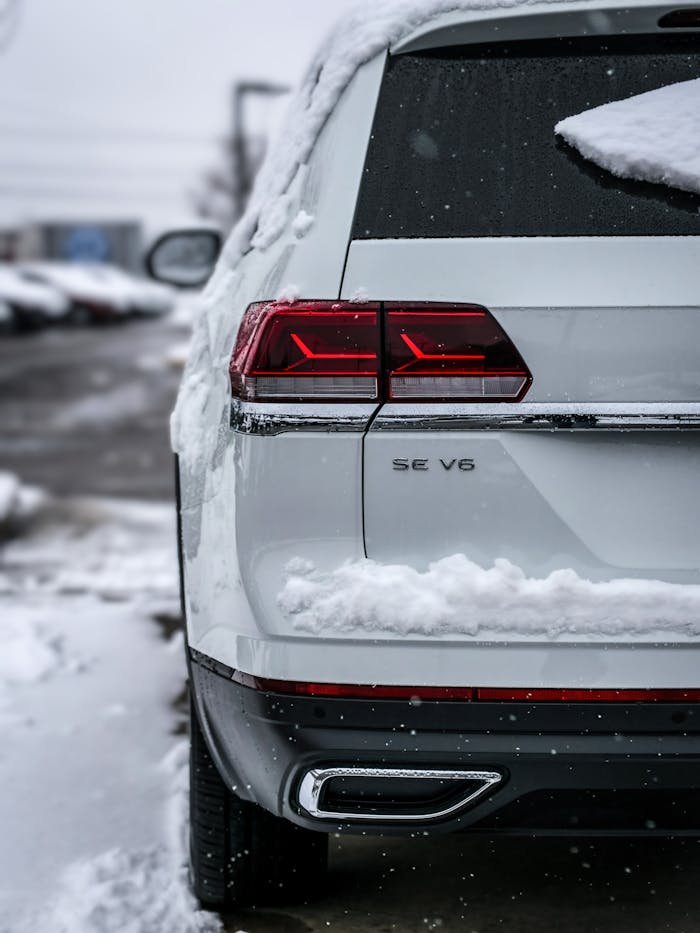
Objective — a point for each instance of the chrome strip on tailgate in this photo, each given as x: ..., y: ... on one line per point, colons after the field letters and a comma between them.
x: 540, y: 416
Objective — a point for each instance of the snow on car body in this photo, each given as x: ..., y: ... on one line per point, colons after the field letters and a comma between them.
x: 89, y: 299
x: 141, y: 296
x: 467, y: 372
x: 30, y: 303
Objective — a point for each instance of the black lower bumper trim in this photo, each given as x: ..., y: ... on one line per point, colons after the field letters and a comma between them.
x: 567, y: 768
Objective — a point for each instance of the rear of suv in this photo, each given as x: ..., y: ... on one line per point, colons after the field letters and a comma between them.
x: 463, y: 373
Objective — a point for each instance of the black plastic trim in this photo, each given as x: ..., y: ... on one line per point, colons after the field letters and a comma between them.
x: 263, y: 743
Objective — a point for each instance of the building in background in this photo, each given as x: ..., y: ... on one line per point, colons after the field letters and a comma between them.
x: 9, y: 243
x: 117, y: 242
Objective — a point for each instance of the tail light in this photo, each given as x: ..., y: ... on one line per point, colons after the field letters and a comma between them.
x: 336, y: 351
x: 451, y: 352
x: 307, y: 351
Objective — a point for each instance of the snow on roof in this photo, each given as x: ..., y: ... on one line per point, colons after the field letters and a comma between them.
x: 651, y: 137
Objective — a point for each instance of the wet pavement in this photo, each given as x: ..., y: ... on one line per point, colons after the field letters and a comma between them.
x: 85, y: 412
x: 518, y: 885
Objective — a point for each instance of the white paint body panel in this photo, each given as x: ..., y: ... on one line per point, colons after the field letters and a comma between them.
x: 530, y: 272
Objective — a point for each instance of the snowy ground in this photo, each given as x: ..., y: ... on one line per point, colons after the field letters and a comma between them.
x: 93, y: 763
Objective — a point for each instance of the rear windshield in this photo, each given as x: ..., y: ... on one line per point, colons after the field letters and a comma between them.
x: 463, y: 142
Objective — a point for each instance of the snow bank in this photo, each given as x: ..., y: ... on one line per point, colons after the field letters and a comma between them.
x: 457, y: 597
x: 176, y: 355
x: 141, y: 890
x: 30, y: 652
x: 652, y: 137
x: 9, y: 495
x: 18, y: 503
x: 127, y: 892
x: 119, y: 550
x: 93, y: 786
x: 358, y: 37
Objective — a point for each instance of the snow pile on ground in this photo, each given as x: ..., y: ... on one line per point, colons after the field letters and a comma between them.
x: 652, y: 137
x: 187, y: 309
x: 30, y: 652
x: 17, y: 502
x: 93, y: 780
x: 457, y: 597
x: 114, y: 893
x: 118, y: 551
x: 137, y: 891
x: 176, y: 355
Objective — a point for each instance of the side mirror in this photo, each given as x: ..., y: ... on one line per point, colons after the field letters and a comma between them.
x: 184, y: 258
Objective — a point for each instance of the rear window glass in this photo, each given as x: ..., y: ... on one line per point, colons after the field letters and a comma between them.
x: 463, y: 142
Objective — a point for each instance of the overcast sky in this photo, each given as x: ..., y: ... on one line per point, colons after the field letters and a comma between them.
x: 114, y: 107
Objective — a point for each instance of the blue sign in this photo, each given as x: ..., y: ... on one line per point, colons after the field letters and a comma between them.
x: 86, y: 244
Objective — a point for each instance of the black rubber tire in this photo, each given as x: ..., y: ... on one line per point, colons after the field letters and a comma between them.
x: 241, y: 855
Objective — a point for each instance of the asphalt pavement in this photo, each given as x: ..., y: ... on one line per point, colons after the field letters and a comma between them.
x: 85, y: 411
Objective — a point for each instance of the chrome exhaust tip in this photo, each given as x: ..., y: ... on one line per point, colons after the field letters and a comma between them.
x: 391, y: 795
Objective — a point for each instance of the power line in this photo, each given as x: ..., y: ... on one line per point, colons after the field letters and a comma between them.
x: 40, y: 191
x: 85, y: 170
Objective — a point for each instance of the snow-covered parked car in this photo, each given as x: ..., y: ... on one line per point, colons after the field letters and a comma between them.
x: 30, y: 304
x: 438, y: 448
x: 143, y: 297
x: 89, y: 299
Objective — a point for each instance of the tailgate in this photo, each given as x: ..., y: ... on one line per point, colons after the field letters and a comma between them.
x: 596, y: 469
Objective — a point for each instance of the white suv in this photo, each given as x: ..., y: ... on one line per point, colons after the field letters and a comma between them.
x: 439, y: 448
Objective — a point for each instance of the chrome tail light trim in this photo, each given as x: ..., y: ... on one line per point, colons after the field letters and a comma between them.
x: 266, y: 419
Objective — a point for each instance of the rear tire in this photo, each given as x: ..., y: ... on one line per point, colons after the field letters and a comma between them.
x: 239, y: 853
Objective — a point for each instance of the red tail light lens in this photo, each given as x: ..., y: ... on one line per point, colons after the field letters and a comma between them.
x: 332, y: 351
x: 451, y: 352
x: 312, y: 351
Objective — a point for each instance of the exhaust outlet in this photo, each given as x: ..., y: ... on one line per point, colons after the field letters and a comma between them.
x: 387, y: 795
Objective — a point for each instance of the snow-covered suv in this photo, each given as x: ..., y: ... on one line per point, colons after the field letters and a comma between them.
x: 439, y: 446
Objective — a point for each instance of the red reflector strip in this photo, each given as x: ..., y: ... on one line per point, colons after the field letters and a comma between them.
x: 353, y: 691
x: 575, y: 695
x: 468, y: 694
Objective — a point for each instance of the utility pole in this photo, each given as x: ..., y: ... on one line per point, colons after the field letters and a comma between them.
x: 243, y: 170
x: 10, y: 12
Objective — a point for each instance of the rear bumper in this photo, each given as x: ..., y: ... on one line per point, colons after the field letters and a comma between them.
x: 569, y: 769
